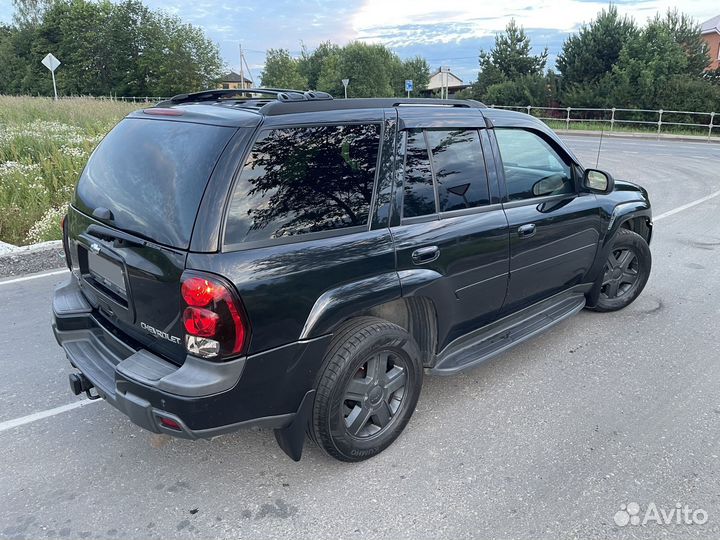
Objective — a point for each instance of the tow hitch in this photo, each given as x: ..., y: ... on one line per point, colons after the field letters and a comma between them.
x: 79, y: 383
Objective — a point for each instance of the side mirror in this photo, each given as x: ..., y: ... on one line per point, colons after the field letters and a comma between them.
x: 597, y: 181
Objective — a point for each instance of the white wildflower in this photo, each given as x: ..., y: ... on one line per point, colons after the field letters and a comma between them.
x: 48, y: 226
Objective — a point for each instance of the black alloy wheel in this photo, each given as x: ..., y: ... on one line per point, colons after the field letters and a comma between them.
x: 375, y: 394
x: 621, y: 273
x: 626, y: 271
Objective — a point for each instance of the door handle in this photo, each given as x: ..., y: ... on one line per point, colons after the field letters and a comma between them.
x: 425, y: 255
x: 527, y: 230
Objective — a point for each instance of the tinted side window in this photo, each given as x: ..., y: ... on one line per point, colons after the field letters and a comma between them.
x: 419, y: 194
x: 459, y: 169
x: 532, y: 167
x: 303, y: 180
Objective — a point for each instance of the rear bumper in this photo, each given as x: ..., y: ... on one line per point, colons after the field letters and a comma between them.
x: 203, y: 398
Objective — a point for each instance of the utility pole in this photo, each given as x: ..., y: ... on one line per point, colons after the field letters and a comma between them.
x: 250, y: 75
x: 242, y: 77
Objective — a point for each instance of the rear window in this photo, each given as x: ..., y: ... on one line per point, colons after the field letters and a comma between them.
x: 151, y: 175
x: 304, y: 180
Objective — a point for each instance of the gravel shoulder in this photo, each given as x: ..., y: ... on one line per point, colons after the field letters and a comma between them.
x: 17, y: 261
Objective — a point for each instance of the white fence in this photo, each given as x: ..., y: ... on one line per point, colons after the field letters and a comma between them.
x: 643, y: 120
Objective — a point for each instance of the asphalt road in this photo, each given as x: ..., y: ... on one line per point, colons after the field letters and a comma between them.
x: 545, y: 441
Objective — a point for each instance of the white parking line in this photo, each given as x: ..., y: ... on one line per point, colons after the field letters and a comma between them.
x: 33, y: 276
x: 685, y: 206
x: 9, y: 424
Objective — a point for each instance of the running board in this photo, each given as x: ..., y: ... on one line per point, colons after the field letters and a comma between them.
x: 471, y: 350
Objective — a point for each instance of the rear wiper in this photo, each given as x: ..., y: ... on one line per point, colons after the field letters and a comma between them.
x: 118, y: 237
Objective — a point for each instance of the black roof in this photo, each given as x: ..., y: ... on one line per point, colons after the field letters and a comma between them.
x: 279, y: 101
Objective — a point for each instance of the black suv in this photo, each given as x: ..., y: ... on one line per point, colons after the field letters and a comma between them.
x: 285, y: 260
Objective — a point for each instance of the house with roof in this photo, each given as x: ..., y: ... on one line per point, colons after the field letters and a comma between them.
x: 233, y: 81
x: 710, y: 30
x: 444, y: 78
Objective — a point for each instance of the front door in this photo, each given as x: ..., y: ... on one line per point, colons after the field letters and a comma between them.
x: 554, y: 229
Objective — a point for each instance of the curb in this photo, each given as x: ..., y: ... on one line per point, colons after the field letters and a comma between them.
x: 16, y: 261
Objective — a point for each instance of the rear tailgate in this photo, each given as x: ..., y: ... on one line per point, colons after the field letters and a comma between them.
x: 133, y: 284
x: 131, y: 221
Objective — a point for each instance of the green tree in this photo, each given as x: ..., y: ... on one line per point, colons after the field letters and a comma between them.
x: 372, y: 69
x: 190, y: 60
x: 686, y: 33
x: 526, y: 90
x: 509, y: 59
x: 647, y: 64
x: 107, y: 48
x: 12, y: 65
x: 590, y: 54
x: 311, y: 63
x: 282, y: 71
x: 330, y: 76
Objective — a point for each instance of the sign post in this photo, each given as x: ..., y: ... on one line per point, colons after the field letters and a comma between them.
x: 52, y: 64
x: 408, y: 86
x: 345, y: 83
x: 444, y: 70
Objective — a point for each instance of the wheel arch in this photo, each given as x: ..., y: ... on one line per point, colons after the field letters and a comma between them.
x: 636, y: 217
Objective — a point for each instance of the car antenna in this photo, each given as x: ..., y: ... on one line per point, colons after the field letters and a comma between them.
x: 597, y: 160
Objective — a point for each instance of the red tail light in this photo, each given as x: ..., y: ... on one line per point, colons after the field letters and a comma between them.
x: 200, y: 322
x: 198, y: 291
x: 214, y: 318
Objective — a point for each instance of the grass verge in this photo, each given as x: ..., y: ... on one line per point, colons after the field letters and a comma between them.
x: 43, y: 148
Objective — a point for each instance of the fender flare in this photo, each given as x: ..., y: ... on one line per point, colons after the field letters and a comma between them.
x: 337, y: 304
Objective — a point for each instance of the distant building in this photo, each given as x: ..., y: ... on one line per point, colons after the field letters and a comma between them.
x: 441, y: 79
x: 711, y: 34
x: 233, y: 81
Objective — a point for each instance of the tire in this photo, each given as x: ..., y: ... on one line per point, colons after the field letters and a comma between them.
x: 367, y: 389
x: 625, y: 273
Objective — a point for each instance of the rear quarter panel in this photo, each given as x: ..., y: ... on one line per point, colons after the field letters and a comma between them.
x: 280, y: 284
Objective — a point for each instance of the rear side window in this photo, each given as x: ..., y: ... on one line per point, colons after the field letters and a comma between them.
x: 419, y: 194
x: 151, y: 174
x: 458, y: 170
x: 303, y: 180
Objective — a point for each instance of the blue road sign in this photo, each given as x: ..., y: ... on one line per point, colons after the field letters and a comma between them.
x: 408, y: 86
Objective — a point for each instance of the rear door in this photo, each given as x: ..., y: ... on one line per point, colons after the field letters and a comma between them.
x: 451, y: 237
x: 554, y: 228
x: 131, y: 222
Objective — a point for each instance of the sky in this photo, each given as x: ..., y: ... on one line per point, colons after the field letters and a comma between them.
x: 445, y: 34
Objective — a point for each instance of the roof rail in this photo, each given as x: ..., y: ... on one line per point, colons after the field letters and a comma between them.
x: 276, y: 107
x: 279, y: 94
